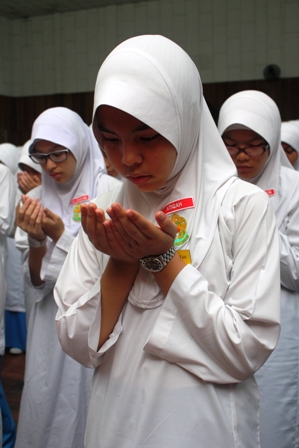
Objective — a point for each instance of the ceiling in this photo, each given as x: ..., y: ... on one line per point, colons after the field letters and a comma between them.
x: 17, y: 9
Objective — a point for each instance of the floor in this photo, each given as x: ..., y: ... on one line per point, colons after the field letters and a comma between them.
x: 13, y: 367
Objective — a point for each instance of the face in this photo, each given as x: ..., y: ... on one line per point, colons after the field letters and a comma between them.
x: 290, y: 152
x: 247, y: 166
x: 59, y: 171
x: 137, y: 152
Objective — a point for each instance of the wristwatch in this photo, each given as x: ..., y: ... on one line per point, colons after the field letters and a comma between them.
x: 155, y: 263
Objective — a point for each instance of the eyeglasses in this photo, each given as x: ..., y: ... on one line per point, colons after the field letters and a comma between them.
x: 57, y: 156
x: 249, y: 150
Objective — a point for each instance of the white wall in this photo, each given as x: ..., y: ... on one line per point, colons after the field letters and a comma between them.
x: 229, y: 40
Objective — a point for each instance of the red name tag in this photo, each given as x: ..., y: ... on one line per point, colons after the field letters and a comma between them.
x: 270, y: 192
x: 80, y: 199
x: 180, y: 204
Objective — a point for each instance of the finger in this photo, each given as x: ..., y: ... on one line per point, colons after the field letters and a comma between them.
x: 125, y: 225
x: 166, y: 224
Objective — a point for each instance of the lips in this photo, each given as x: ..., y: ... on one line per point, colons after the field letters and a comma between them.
x: 55, y: 175
x: 139, y: 179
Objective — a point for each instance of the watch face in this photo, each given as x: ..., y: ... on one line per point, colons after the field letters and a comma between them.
x: 153, y: 264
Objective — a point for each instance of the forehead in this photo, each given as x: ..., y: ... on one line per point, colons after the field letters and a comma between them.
x: 46, y: 146
x: 111, y: 118
x: 242, y: 135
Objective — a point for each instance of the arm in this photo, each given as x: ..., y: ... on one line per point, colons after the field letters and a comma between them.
x: 7, y: 203
x: 289, y: 248
x: 226, y: 338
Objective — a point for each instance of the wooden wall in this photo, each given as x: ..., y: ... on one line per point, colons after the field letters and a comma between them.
x: 18, y: 114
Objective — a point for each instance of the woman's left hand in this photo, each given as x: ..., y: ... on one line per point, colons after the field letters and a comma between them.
x: 52, y: 225
x: 138, y: 236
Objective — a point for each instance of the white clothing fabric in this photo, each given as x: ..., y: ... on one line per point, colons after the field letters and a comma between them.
x: 9, y: 155
x: 176, y: 367
x: 7, y: 203
x: 75, y: 136
x: 290, y: 135
x: 15, y: 299
x: 278, y: 377
x: 56, y: 388
x: 2, y: 306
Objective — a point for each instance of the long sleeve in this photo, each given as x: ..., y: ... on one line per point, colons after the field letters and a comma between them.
x: 220, y: 338
x: 7, y: 203
x: 289, y: 247
x: 226, y: 339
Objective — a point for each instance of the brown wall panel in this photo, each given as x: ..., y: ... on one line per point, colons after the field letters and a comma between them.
x: 285, y: 92
x: 18, y: 114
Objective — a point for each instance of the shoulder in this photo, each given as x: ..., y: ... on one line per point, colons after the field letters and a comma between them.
x: 289, y: 176
x: 244, y: 195
x: 35, y: 192
x: 5, y: 172
x: 107, y: 198
x: 106, y: 183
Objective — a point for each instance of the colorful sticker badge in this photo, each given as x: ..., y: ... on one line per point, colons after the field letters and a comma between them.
x: 181, y: 223
x: 76, y: 202
x: 182, y: 235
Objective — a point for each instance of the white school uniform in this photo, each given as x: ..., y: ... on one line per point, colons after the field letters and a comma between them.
x: 57, y: 388
x: 177, y: 371
x: 278, y: 377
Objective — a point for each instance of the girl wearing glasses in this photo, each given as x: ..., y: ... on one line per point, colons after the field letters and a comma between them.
x: 249, y: 123
x: 290, y: 142
x: 166, y: 291
x: 56, y: 388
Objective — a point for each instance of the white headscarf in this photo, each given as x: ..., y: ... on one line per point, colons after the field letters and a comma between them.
x: 66, y: 128
x: 9, y: 156
x: 154, y: 80
x: 258, y: 112
x: 25, y: 159
x: 290, y: 135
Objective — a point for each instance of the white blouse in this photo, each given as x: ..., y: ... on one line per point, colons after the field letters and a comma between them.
x: 180, y: 374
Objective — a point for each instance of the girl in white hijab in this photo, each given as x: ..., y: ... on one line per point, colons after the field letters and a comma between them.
x: 290, y: 142
x: 56, y: 389
x: 166, y: 294
x: 249, y: 121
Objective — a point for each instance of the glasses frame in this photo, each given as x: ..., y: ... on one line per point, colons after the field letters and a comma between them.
x: 49, y: 156
x: 265, y: 148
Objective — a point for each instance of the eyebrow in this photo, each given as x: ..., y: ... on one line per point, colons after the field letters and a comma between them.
x: 143, y: 127
x: 40, y: 152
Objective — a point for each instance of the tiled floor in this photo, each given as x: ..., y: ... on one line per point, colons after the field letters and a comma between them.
x: 12, y: 379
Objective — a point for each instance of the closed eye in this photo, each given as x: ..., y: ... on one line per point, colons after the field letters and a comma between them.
x: 150, y: 138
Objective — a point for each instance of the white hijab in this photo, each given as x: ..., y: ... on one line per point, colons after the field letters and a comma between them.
x: 9, y: 156
x: 154, y: 80
x: 258, y: 112
x: 25, y: 159
x: 66, y: 128
x: 290, y: 135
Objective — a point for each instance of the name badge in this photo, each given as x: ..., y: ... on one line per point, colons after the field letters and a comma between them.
x: 185, y: 256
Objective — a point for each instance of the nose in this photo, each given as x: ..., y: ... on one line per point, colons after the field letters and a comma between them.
x: 242, y: 155
x: 131, y: 155
x: 49, y: 165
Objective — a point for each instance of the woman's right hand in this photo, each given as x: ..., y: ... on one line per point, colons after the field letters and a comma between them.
x: 29, y: 218
x: 101, y: 234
